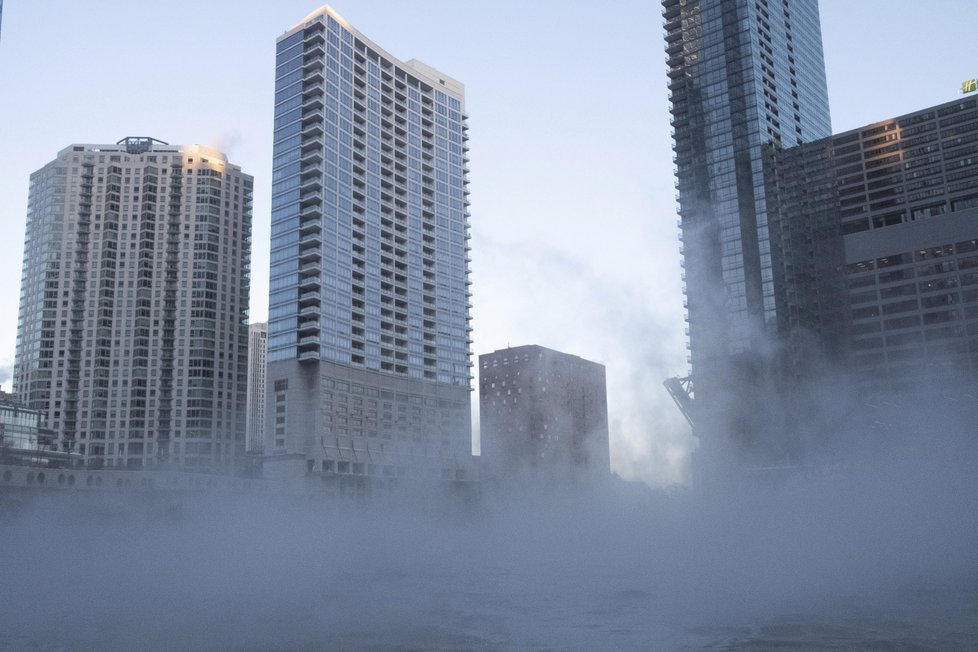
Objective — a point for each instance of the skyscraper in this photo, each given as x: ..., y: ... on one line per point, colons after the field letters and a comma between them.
x: 132, y: 335
x: 543, y: 414
x: 257, y: 366
x: 746, y: 78
x: 368, y: 338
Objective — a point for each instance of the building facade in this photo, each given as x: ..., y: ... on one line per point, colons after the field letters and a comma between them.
x: 24, y: 439
x: 368, y: 335
x: 542, y: 414
x: 132, y: 333
x: 746, y: 77
x: 902, y: 195
x: 257, y: 367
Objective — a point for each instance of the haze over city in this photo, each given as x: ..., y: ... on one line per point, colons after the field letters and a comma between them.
x: 830, y: 503
x: 573, y: 213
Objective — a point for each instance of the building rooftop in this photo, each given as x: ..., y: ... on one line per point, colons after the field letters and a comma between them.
x: 422, y: 71
x: 526, y: 348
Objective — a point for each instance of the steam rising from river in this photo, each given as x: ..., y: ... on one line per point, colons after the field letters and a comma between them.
x: 601, y: 567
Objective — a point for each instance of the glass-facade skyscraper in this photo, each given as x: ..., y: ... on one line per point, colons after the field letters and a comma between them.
x: 368, y: 335
x: 746, y: 78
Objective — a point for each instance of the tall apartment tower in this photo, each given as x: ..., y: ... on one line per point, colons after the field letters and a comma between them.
x: 543, y: 414
x: 746, y: 78
x: 132, y: 334
x: 368, y: 335
x: 257, y: 366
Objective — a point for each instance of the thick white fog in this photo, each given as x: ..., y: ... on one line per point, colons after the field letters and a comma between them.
x: 882, y: 552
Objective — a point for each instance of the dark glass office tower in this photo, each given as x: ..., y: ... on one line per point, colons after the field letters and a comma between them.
x: 746, y: 79
x: 884, y: 248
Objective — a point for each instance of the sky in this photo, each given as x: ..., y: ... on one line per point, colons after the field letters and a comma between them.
x: 575, y: 238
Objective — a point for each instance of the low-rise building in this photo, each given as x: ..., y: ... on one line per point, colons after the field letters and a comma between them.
x: 543, y: 413
x: 24, y: 439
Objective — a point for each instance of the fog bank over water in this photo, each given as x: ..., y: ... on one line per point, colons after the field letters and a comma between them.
x: 892, y: 536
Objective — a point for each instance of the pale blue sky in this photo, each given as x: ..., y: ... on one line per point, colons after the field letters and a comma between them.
x: 573, y: 209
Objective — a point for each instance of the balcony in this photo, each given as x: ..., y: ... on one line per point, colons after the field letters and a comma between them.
x: 313, y: 157
x: 311, y: 172
x: 311, y: 268
x: 311, y: 91
x: 314, y: 77
x: 313, y: 115
x: 314, y: 52
x: 313, y: 212
x: 312, y: 145
x: 315, y: 101
x: 311, y: 129
x: 309, y: 226
x: 311, y: 198
x: 311, y: 281
x: 312, y: 184
x: 311, y: 238
x: 315, y: 38
x: 310, y: 255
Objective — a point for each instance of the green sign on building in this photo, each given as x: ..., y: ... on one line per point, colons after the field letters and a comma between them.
x: 969, y: 86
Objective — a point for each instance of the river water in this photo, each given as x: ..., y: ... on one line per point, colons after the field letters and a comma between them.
x: 883, y: 562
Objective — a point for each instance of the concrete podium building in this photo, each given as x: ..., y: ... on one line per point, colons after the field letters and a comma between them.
x: 132, y: 338
x: 368, y: 334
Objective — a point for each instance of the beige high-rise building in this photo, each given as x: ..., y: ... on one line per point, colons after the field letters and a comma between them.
x: 133, y: 336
